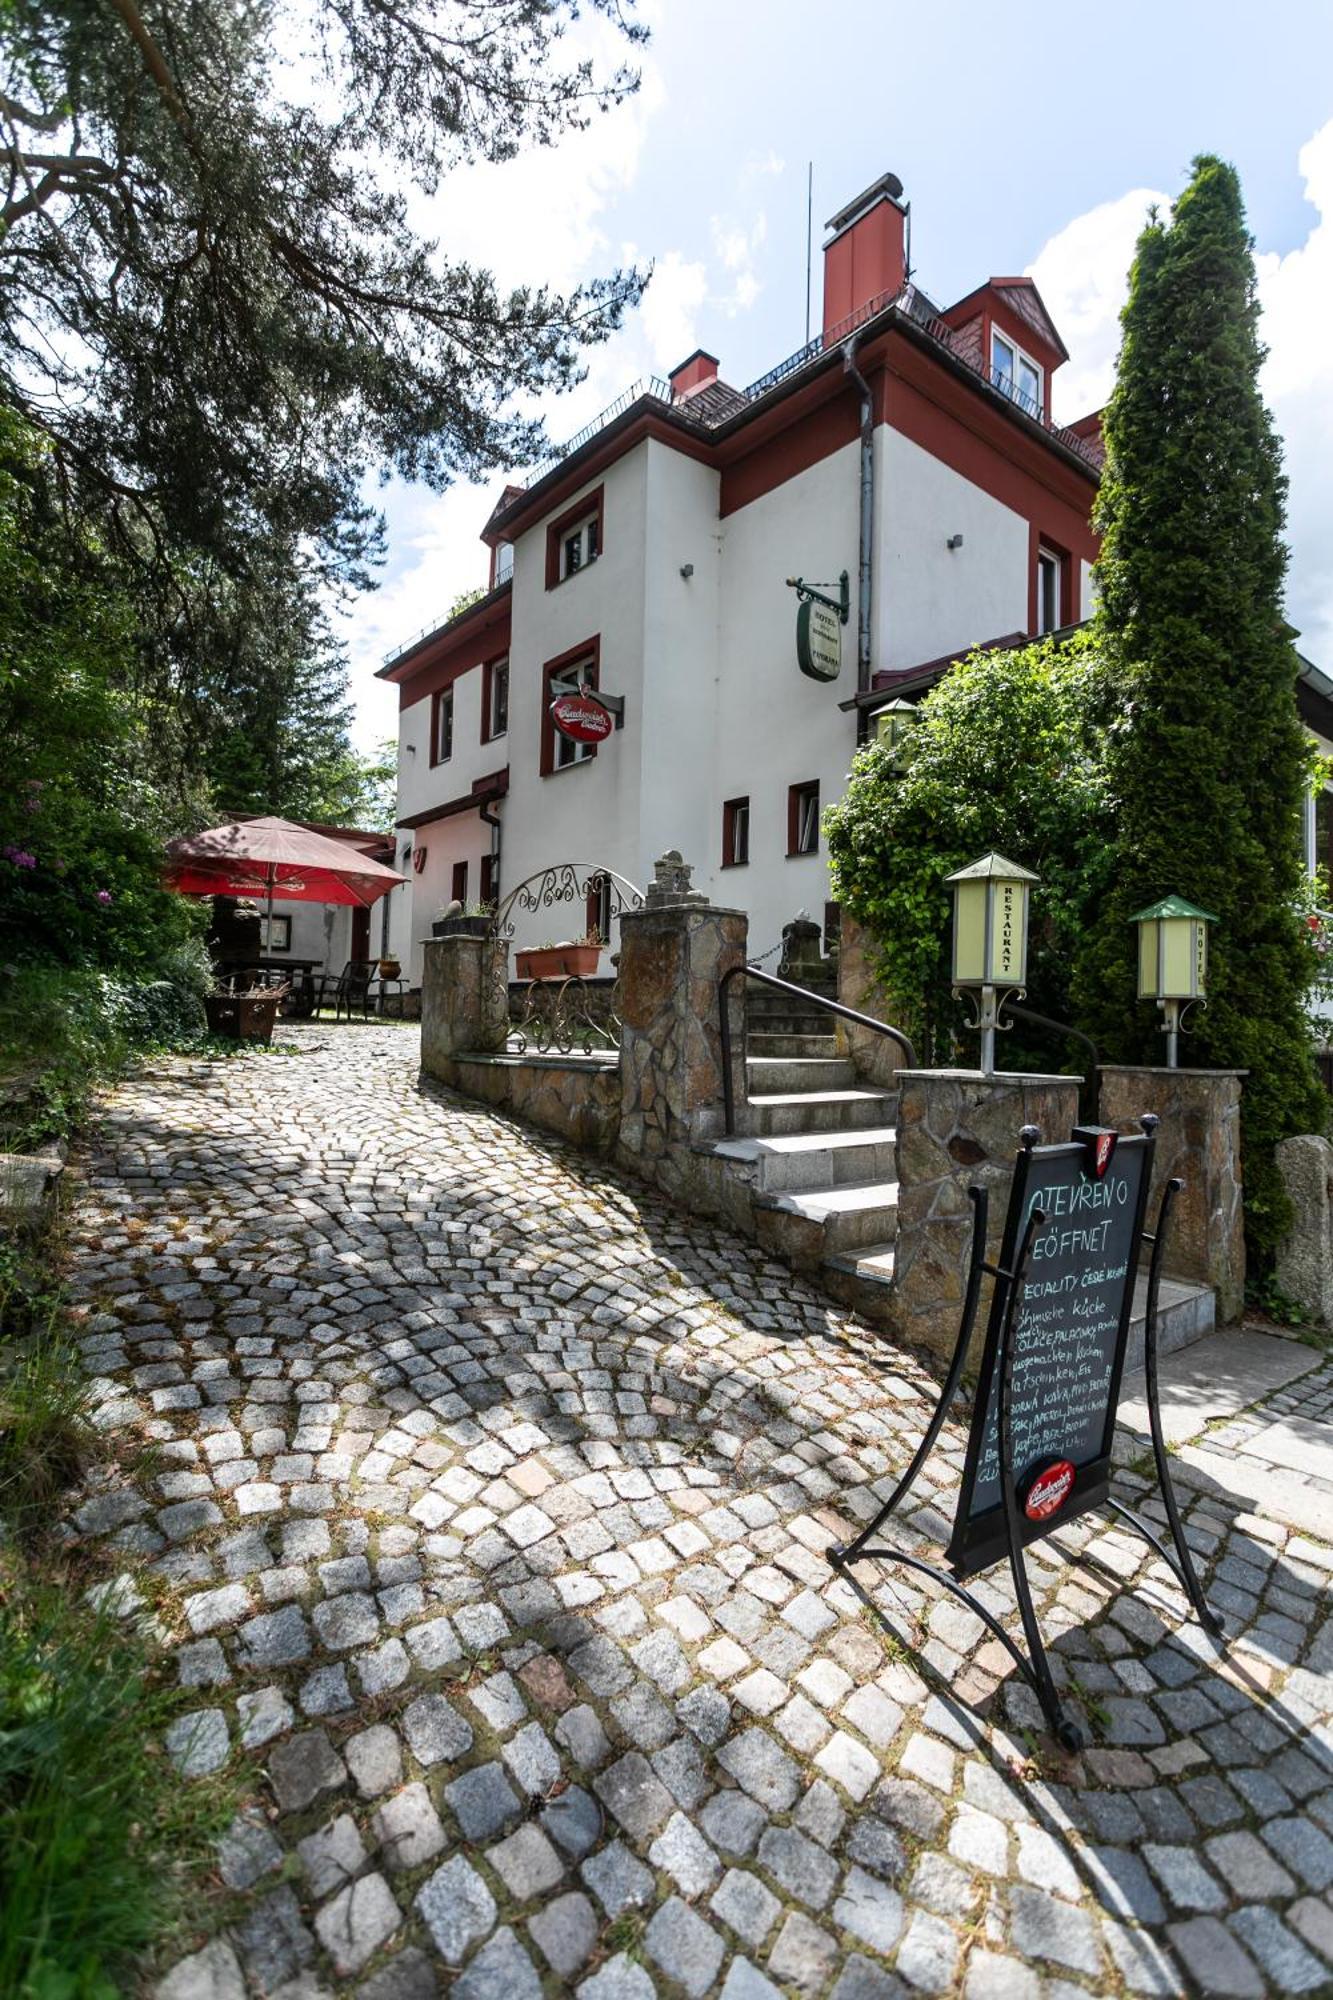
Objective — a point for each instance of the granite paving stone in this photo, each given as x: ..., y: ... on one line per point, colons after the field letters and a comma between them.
x: 486, y: 1534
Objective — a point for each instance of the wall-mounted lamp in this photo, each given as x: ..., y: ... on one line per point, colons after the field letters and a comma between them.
x: 687, y: 569
x: 411, y: 749
x: 954, y: 542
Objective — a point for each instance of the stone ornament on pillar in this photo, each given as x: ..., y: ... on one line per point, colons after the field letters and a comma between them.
x: 670, y: 885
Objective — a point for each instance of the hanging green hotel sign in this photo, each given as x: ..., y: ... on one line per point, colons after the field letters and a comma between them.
x: 819, y: 623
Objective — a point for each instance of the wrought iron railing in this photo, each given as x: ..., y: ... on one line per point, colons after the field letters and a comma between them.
x: 801, y: 993
x: 559, y: 1015
x: 569, y: 882
x: 654, y: 386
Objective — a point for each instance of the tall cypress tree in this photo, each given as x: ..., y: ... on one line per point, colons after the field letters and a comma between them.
x: 1209, y: 763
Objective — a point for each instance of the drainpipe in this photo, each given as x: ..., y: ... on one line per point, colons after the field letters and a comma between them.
x: 489, y: 817
x: 867, y: 539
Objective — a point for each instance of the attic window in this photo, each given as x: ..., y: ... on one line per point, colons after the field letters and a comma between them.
x: 1015, y: 374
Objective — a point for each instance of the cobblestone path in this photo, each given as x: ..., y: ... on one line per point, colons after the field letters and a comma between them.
x: 493, y: 1521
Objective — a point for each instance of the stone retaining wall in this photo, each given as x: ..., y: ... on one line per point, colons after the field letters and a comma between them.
x: 576, y: 1097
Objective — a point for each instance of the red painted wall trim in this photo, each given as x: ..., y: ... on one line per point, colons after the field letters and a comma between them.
x: 586, y: 504
x: 616, y: 441
x: 590, y: 650
x: 441, y: 664
x: 965, y: 430
x: 493, y: 786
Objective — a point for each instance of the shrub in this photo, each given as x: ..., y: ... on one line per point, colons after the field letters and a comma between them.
x: 1007, y: 752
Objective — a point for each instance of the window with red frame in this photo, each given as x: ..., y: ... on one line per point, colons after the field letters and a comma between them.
x: 488, y: 878
x: 575, y: 540
x: 578, y: 668
x: 494, y: 699
x: 803, y: 818
x: 442, y: 726
x: 735, y: 833
x: 459, y: 890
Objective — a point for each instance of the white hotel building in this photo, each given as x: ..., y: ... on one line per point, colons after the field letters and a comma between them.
x: 911, y: 446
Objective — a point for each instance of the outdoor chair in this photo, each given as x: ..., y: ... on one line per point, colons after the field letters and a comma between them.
x: 348, y: 989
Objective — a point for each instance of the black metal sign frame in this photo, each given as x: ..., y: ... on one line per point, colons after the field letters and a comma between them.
x: 1005, y: 1530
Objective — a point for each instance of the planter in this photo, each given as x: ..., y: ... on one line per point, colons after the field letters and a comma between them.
x: 460, y: 927
x: 558, y: 961
x: 243, y: 1017
x: 390, y: 968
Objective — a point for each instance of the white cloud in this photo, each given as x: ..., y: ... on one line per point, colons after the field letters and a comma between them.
x: 1082, y: 273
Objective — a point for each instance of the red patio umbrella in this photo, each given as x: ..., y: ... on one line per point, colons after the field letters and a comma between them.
x: 275, y: 857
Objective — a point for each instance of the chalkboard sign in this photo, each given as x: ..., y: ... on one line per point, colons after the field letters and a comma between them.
x: 1071, y: 1327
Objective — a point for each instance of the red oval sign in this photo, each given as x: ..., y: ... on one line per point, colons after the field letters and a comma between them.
x: 1049, y: 1491
x: 582, y: 718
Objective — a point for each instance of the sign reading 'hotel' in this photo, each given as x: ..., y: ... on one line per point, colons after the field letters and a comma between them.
x: 818, y: 640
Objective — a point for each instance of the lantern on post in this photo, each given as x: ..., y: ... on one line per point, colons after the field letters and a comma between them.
x: 990, y: 938
x: 894, y: 724
x: 1173, y: 961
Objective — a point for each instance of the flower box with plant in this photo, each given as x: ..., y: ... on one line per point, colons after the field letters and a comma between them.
x: 560, y: 961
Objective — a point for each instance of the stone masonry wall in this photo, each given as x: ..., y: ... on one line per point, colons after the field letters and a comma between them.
x: 577, y: 1098
x: 1199, y: 1139
x: 875, y: 1058
x: 464, y: 998
x: 673, y: 952
x: 957, y: 1127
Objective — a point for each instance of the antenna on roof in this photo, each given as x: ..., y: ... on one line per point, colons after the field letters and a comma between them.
x: 809, y: 228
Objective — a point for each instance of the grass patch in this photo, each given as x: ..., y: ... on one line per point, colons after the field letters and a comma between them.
x: 98, y: 1837
x: 102, y: 1847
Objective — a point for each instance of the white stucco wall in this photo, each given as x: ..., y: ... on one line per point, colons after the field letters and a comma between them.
x: 930, y: 599
x: 776, y: 728
x: 588, y: 811
x: 677, y: 728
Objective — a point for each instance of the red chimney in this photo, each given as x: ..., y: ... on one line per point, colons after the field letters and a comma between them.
x: 865, y: 258
x: 693, y: 374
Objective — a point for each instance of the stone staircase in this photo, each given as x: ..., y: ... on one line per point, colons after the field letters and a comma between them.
x: 816, y: 1148
x: 815, y: 1156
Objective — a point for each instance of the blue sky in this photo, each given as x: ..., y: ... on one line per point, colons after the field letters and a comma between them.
x: 1019, y: 150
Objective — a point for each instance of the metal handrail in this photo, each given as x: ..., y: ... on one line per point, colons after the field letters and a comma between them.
x: 802, y: 993
x: 1057, y: 1028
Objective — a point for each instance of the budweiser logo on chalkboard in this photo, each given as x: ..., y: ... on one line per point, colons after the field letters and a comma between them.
x: 1049, y: 1491
x: 582, y: 718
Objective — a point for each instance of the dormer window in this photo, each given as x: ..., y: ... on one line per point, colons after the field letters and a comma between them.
x: 574, y: 541
x: 1015, y: 374
x: 580, y: 546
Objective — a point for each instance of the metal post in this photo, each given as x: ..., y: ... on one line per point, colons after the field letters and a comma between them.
x: 987, y: 1025
x: 1172, y: 1011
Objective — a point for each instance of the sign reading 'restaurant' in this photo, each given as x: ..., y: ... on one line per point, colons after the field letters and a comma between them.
x: 582, y: 717
x: 1069, y: 1342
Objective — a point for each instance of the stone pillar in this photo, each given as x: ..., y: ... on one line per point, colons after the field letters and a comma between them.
x: 1199, y: 1139
x: 957, y: 1127
x: 464, y: 999
x: 875, y: 1058
x: 673, y: 952
x: 1305, y: 1254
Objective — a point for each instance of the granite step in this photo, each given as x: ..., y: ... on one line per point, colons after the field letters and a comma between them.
x: 813, y: 1160
x: 775, y: 1113
x: 769, y: 1045
x: 765, y: 1074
